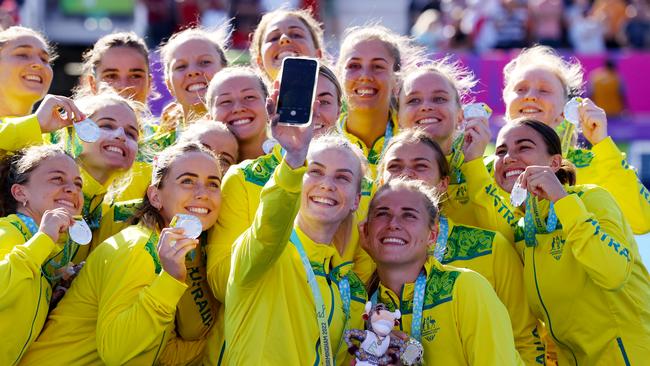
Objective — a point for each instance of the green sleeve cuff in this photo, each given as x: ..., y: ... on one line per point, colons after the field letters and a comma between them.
x: 569, y: 211
x: 167, y: 290
x: 288, y: 178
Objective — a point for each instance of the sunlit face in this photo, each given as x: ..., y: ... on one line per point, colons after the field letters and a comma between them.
x: 192, y: 187
x: 55, y: 183
x: 239, y: 103
x: 398, y: 230
x: 428, y: 101
x: 369, y: 80
x: 223, y: 144
x: 25, y: 70
x: 285, y: 36
x: 330, y: 188
x: 125, y: 70
x: 412, y: 161
x: 328, y: 109
x: 192, y: 65
x: 535, y: 93
x: 517, y: 148
x: 117, y: 146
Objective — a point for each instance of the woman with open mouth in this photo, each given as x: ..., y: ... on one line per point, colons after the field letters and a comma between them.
x: 293, y: 239
x: 453, y: 313
x: 413, y: 155
x: 582, y: 269
x: 142, y: 296
x: 369, y: 59
x: 41, y: 192
x: 538, y: 84
x: 285, y: 33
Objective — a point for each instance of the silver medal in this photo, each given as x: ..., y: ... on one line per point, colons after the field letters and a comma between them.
x: 80, y: 233
x: 191, y: 225
x: 268, y: 145
x: 413, y: 353
x: 518, y: 195
x: 476, y: 110
x: 571, y: 112
x: 87, y: 130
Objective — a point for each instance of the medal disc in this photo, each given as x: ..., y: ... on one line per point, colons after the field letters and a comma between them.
x: 571, y: 112
x: 191, y: 224
x: 87, y: 130
x: 80, y: 233
x: 518, y: 195
x: 268, y: 144
x: 476, y: 110
x: 413, y: 353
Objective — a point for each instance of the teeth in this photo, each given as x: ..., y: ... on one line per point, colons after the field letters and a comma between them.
x: 396, y: 241
x: 284, y: 54
x: 65, y: 203
x: 196, y: 87
x: 114, y: 149
x: 425, y: 121
x: 323, y: 200
x: 242, y: 121
x: 513, y: 173
x: 34, y: 78
x: 198, y: 210
x: 530, y: 110
x: 364, y: 92
x: 318, y: 126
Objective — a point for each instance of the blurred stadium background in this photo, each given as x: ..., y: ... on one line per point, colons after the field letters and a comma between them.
x: 610, y: 37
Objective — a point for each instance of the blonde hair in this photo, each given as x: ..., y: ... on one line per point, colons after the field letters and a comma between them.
x: 16, y: 31
x: 461, y: 79
x: 313, y: 26
x: 337, y: 141
x: 234, y: 71
x: 569, y: 72
x: 217, y: 36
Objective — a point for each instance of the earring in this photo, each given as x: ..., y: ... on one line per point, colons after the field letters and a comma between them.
x: 24, y: 203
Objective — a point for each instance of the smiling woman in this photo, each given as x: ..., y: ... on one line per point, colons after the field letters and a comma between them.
x: 139, y: 298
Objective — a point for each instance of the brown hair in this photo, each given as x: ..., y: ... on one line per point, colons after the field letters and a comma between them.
x: 234, y: 71
x: 428, y: 196
x: 17, y: 168
x: 325, y: 71
x: 149, y: 215
x: 566, y: 174
x: 414, y: 136
x: 313, y: 26
x: 93, y: 57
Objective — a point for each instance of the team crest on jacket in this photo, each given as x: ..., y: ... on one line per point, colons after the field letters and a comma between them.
x: 557, y: 245
x: 430, y: 328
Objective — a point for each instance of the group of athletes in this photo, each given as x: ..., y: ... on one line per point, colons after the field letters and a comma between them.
x: 388, y: 197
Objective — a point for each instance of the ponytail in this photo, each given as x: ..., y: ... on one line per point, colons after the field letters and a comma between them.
x: 566, y: 174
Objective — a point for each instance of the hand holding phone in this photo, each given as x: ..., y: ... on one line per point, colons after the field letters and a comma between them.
x: 297, y: 91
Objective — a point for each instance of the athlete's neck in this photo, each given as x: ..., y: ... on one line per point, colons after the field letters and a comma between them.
x: 395, y: 276
x: 14, y: 107
x: 368, y: 124
x: 319, y: 232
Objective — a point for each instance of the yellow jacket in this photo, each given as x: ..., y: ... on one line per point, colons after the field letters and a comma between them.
x: 26, y: 291
x: 463, y: 321
x: 270, y: 314
x: 490, y: 254
x: 18, y: 132
x: 120, y: 310
x: 587, y: 282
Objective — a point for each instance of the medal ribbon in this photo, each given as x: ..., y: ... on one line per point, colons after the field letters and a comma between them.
x: 321, y: 310
x: 566, y: 130
x: 443, y: 236
x: 533, y: 223
x: 457, y: 157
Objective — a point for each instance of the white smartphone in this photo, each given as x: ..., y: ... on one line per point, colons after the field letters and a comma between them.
x: 297, y: 90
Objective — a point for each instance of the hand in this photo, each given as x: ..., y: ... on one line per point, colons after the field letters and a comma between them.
x: 477, y: 137
x: 55, y: 222
x: 593, y: 121
x: 56, y: 112
x: 295, y: 140
x: 172, y: 247
x: 542, y: 182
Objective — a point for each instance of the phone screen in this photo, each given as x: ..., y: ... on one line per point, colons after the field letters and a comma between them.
x: 297, y: 89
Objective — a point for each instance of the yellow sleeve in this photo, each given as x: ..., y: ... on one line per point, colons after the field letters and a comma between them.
x: 594, y: 227
x: 233, y: 221
x: 133, y: 311
x: 178, y: 352
x: 137, y: 182
x: 21, y: 261
x: 620, y: 179
x: 483, y: 323
x: 19, y: 132
x: 491, y: 211
x: 509, y: 287
x: 260, y: 246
